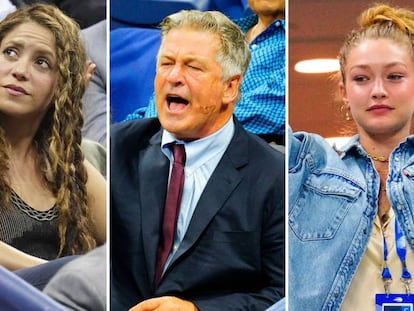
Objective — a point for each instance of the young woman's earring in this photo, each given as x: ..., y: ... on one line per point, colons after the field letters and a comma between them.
x: 347, y: 114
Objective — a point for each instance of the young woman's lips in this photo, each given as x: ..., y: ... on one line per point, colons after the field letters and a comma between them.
x: 380, y: 108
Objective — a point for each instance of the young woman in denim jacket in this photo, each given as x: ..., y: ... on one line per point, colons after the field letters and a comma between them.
x: 343, y: 202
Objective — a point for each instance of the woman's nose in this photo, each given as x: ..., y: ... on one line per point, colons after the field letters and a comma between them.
x: 378, y: 89
x: 20, y: 70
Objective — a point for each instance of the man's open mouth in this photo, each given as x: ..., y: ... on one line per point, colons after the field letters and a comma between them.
x: 176, y: 103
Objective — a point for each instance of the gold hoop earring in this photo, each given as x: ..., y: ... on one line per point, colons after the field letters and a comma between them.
x: 347, y: 114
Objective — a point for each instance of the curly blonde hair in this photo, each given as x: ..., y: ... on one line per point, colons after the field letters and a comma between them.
x: 57, y: 141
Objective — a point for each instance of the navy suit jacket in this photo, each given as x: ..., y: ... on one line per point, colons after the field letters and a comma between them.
x: 232, y: 255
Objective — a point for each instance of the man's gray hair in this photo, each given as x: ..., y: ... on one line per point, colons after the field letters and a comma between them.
x: 233, y: 55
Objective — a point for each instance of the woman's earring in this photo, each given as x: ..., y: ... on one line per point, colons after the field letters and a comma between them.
x: 347, y: 114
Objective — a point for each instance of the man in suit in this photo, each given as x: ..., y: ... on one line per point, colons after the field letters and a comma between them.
x: 227, y: 251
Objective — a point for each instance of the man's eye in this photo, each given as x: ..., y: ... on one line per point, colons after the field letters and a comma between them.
x: 194, y: 67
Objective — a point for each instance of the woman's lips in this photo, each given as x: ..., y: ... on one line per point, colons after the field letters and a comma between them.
x: 16, y: 90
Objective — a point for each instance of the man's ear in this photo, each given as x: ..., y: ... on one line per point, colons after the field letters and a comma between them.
x: 231, y: 89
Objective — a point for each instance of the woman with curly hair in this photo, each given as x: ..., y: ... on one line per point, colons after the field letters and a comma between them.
x: 351, y: 211
x: 52, y: 201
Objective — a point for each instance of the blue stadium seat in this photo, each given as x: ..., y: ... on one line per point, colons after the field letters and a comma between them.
x: 233, y: 9
x: 132, y: 66
x: 18, y: 295
x: 149, y: 13
x: 134, y: 42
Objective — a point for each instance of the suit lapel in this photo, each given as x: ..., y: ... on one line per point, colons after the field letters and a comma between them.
x: 220, y: 186
x: 153, y: 178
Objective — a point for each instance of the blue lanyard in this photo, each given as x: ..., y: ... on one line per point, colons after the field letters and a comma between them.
x: 401, y: 248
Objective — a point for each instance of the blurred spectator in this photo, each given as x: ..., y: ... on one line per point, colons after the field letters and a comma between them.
x: 81, y: 284
x: 94, y: 99
x: 85, y: 13
x: 6, y: 7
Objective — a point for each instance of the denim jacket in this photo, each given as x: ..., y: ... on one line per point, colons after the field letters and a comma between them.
x: 333, y: 198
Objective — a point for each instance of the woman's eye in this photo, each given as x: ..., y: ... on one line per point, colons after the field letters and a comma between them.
x: 395, y: 76
x: 10, y: 52
x: 360, y: 78
x: 43, y: 63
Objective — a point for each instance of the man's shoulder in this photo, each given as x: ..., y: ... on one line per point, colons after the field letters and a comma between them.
x: 249, y: 152
x: 261, y: 150
x: 130, y: 136
x: 135, y: 129
x: 267, y: 157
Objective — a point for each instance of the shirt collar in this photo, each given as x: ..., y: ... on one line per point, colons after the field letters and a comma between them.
x: 353, y: 145
x: 248, y: 22
x: 196, y: 150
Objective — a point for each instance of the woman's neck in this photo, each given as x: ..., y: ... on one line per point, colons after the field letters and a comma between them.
x: 19, y: 137
x: 20, y: 126
x: 383, y: 203
x: 380, y: 147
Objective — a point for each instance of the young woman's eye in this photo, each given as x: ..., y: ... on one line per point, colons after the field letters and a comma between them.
x: 395, y: 76
x: 360, y: 78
